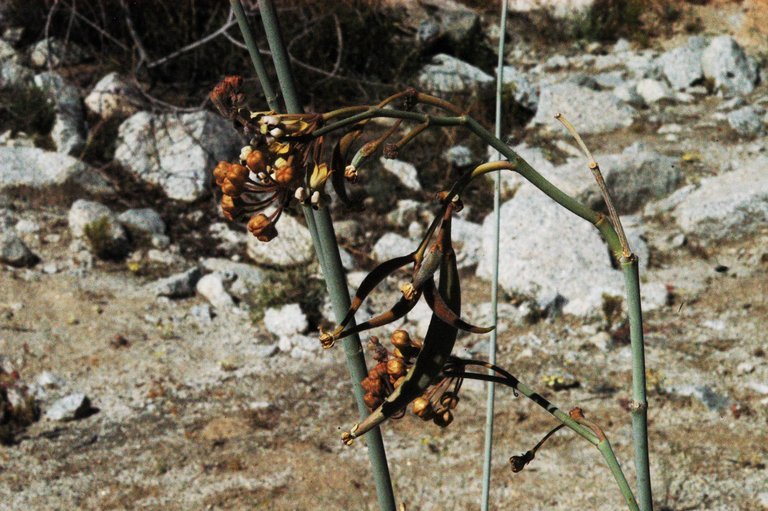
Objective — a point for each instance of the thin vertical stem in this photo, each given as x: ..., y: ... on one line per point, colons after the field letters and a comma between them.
x: 489, y: 406
x: 324, y: 238
x: 629, y: 267
x: 253, y: 51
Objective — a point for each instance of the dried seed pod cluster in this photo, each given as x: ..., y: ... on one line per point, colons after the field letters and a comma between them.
x: 436, y: 403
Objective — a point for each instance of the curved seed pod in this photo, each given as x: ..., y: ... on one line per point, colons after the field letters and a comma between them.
x: 441, y: 309
x: 338, y: 164
x: 435, y: 351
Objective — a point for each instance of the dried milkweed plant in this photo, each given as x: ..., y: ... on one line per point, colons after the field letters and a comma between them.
x: 289, y: 161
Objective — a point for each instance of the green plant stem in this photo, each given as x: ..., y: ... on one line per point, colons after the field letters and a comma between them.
x: 490, y: 398
x: 610, y: 459
x: 327, y: 249
x: 629, y: 267
x: 253, y: 51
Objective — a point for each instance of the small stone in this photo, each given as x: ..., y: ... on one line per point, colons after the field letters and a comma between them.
x: 49, y: 380
x: 267, y: 351
x: 745, y: 368
x: 14, y: 252
x: 652, y: 91
x: 113, y: 95
x: 712, y: 400
x: 248, y: 278
x: 97, y: 224
x: 627, y: 93
x: 54, y: 53
x: 71, y: 407
x: 405, y: 212
x: 446, y: 74
x: 292, y: 247
x: 211, y: 287
x: 68, y: 132
x: 520, y: 88
x: 760, y: 388
x: 285, y: 321
x: 405, y: 172
x: 180, y: 285
x: 284, y: 344
x: 25, y: 226
x: 143, y: 222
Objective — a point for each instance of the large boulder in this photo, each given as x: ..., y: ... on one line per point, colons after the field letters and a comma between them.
x: 550, y: 256
x: 176, y: 152
x: 728, y: 67
x: 448, y: 75
x: 682, y: 65
x: 589, y: 110
x: 41, y: 173
x: 730, y: 206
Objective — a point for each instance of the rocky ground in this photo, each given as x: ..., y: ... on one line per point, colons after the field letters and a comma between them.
x: 154, y: 356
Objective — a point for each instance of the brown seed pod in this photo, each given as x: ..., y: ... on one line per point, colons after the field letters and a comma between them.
x: 399, y: 381
x: 221, y: 171
x: 256, y: 161
x: 371, y: 401
x: 285, y: 175
x: 443, y: 419
x: 449, y: 400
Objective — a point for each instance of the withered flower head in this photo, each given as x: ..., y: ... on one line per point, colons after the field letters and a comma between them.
x: 262, y: 227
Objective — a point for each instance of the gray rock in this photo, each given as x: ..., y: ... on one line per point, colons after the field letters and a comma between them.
x: 446, y: 74
x: 609, y: 80
x: 653, y: 91
x: 13, y: 74
x: 54, y: 52
x: 459, y: 156
x: 405, y: 172
x: 69, y: 408
x: 558, y: 259
x: 714, y: 401
x: 285, y: 321
x: 211, y: 287
x: 68, y: 129
x: 579, y: 105
x: 633, y: 179
x: 97, y: 224
x: 747, y: 121
x: 7, y: 52
x: 558, y: 8
x: 113, y: 95
x: 14, y: 252
x: 10, y: 139
x: 725, y: 63
x: 730, y: 206
x: 522, y: 90
x: 248, y: 277
x: 180, y: 285
x: 405, y: 212
x: 641, y: 65
x: 176, y: 153
x: 142, y: 223
x: 453, y: 24
x: 293, y: 245
x: 627, y: 93
x: 392, y: 245
x: 682, y: 66
x: 467, y: 239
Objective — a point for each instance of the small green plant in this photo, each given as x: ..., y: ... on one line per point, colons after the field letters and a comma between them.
x: 100, y: 236
x: 18, y: 409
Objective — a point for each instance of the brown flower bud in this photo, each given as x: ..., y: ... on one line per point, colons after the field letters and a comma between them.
x: 396, y: 367
x: 256, y: 161
x: 285, y: 175
x: 422, y: 408
x: 449, y: 400
x: 262, y: 227
x: 371, y: 401
x: 221, y: 171
x: 400, y: 339
x: 230, y: 206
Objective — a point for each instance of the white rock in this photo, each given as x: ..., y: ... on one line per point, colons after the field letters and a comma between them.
x: 467, y: 238
x: 49, y: 380
x: 211, y: 287
x: 71, y: 407
x: 653, y: 91
x: 392, y: 245
x: 54, y: 52
x: 248, y: 277
x: 13, y: 74
x: 446, y: 74
x: 176, y: 153
x: 522, y: 90
x: 747, y: 121
x: 654, y: 296
x: 113, y: 95
x: 730, y: 206
x: 550, y: 255
x: 142, y: 222
x: 725, y: 63
x: 14, y: 252
x: 293, y: 245
x: 405, y: 172
x: 627, y: 93
x: 682, y: 65
x: 285, y: 321
x: 405, y: 212
x: 459, y: 155
x: 579, y: 105
x: 30, y: 168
